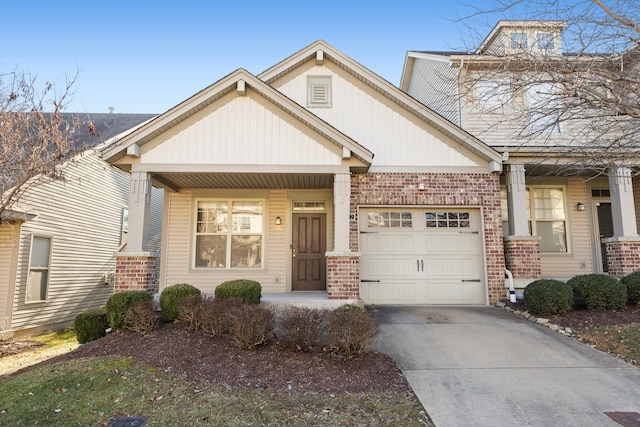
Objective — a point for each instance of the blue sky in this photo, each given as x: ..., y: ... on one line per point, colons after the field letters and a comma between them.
x: 146, y: 57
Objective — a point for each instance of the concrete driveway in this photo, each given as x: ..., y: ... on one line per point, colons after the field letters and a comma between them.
x: 483, y: 366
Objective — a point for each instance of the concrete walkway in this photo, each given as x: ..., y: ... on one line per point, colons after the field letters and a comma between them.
x: 483, y: 366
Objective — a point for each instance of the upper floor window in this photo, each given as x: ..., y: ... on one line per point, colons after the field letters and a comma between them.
x: 544, y: 105
x: 319, y: 91
x: 229, y: 234
x: 545, y: 41
x: 491, y: 94
x: 39, y: 261
x: 519, y: 41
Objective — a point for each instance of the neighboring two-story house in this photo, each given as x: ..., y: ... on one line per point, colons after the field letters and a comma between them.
x: 569, y: 192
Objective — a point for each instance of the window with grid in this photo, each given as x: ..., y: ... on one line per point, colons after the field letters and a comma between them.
x: 519, y: 41
x: 39, y: 260
x: 447, y: 219
x: 386, y: 219
x: 229, y: 234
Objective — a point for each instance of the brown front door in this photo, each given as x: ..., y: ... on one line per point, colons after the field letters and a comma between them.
x: 308, y: 252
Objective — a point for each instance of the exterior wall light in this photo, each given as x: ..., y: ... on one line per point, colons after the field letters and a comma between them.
x: 278, y: 220
x: 580, y: 206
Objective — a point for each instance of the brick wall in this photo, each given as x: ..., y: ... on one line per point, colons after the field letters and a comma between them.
x: 135, y: 273
x: 623, y: 257
x: 442, y: 189
x: 522, y: 258
x: 343, y: 277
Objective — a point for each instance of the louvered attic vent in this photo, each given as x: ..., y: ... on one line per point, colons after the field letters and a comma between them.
x: 319, y: 92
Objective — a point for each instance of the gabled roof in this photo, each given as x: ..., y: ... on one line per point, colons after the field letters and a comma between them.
x: 383, y: 87
x: 522, y: 24
x: 209, y: 95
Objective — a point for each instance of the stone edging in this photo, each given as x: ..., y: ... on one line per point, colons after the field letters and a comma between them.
x: 539, y: 320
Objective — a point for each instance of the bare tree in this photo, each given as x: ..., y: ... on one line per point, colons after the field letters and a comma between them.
x: 572, y: 92
x: 37, y: 141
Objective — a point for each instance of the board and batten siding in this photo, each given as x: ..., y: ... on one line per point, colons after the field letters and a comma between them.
x: 397, y: 138
x: 177, y: 262
x: 243, y: 130
x: 9, y: 233
x: 83, y: 218
x: 580, y: 258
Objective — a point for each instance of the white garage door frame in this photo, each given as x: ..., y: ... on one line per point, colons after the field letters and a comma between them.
x: 422, y: 255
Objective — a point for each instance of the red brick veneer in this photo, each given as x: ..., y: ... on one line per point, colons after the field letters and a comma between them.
x: 623, y: 257
x: 522, y: 258
x: 439, y: 189
x: 343, y: 277
x: 136, y: 273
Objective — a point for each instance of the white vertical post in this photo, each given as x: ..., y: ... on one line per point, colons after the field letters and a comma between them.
x: 517, y: 201
x: 622, y: 205
x: 139, y: 202
x: 341, y: 203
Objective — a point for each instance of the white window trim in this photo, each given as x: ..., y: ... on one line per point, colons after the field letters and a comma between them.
x: 47, y: 269
x: 546, y: 45
x: 230, y: 201
x: 522, y: 43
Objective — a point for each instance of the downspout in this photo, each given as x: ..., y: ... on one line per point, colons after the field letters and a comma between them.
x: 512, y: 290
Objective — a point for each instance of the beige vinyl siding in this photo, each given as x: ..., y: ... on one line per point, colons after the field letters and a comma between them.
x: 636, y: 200
x: 435, y: 83
x: 243, y: 130
x: 83, y: 218
x: 580, y: 258
x: 397, y: 138
x: 177, y: 257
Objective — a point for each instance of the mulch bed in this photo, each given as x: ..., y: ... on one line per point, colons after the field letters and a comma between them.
x: 199, y: 357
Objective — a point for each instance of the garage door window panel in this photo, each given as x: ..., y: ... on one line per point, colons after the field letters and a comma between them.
x: 389, y: 219
x: 447, y: 219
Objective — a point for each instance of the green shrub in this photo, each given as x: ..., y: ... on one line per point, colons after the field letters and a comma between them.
x: 118, y: 304
x: 351, y: 332
x: 91, y: 325
x: 632, y: 282
x: 248, y: 291
x: 599, y: 292
x: 548, y: 296
x: 172, y: 296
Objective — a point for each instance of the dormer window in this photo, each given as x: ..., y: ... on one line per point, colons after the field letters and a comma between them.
x: 545, y: 41
x: 319, y: 91
x: 519, y: 41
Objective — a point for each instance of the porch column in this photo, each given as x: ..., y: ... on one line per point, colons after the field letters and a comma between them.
x: 623, y: 249
x: 341, y: 205
x: 136, y: 268
x: 521, y: 250
x: 343, y: 266
x: 517, y: 201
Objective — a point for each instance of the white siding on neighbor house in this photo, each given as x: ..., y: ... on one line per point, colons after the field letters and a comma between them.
x: 83, y: 218
x: 241, y: 130
x: 397, y: 138
x: 177, y: 257
x: 7, y: 249
x: 580, y: 258
x: 435, y: 83
x: 636, y: 200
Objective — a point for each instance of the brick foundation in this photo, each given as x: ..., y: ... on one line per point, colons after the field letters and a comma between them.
x: 623, y: 257
x: 343, y: 276
x: 522, y: 257
x: 438, y: 189
x: 136, y: 273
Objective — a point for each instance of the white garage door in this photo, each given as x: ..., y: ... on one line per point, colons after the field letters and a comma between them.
x: 421, y: 256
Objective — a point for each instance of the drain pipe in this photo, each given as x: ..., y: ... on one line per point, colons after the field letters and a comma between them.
x: 512, y: 289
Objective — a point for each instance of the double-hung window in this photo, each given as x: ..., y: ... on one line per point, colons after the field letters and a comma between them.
x: 546, y: 216
x: 39, y: 261
x: 544, y: 108
x: 518, y: 41
x: 490, y: 95
x: 229, y: 233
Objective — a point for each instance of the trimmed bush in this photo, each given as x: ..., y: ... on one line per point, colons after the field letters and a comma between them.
x: 599, y: 292
x: 91, y: 325
x: 118, y: 304
x: 216, y: 315
x: 141, y: 317
x: 171, y: 297
x: 351, y: 331
x: 251, y: 326
x: 248, y: 291
x: 301, y: 328
x: 191, y: 311
x: 632, y: 282
x: 548, y: 296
